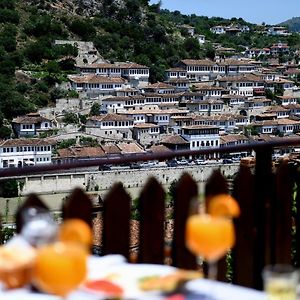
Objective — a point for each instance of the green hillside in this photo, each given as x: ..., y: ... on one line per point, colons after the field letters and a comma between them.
x: 122, y: 30
x: 293, y: 24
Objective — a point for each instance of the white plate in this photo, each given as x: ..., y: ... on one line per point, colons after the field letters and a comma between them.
x: 127, y: 276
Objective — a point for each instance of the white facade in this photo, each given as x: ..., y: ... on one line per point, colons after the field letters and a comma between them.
x: 20, y: 153
x: 201, y: 137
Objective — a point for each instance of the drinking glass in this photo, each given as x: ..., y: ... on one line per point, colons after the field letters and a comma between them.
x: 280, y: 282
x: 39, y: 227
x: 210, y: 238
x: 60, y: 268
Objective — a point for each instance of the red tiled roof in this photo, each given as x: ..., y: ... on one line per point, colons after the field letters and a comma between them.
x: 174, y: 139
x: 26, y: 142
x: 80, y: 151
x: 92, y: 78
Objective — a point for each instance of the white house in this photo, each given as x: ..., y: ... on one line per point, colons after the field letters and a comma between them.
x: 246, y: 85
x: 218, y: 29
x: 175, y: 73
x: 110, y: 126
x: 201, y: 39
x: 25, y: 152
x: 31, y: 125
x: 201, y: 136
x: 146, y: 133
x: 96, y: 84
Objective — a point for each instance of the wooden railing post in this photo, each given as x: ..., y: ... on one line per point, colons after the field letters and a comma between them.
x: 78, y: 205
x: 116, y: 221
x: 152, y: 217
x: 186, y: 190
x: 243, y: 252
x: 283, y: 214
x: 263, y: 195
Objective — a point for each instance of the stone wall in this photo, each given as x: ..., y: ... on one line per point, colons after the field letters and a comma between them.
x: 101, y: 181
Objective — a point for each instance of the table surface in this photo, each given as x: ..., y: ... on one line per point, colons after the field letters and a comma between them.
x: 128, y: 275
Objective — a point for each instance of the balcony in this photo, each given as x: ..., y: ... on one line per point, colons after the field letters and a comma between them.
x: 266, y: 232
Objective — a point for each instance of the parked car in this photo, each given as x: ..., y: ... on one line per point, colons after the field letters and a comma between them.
x: 172, y: 163
x: 182, y: 162
x: 200, y: 162
x: 104, y: 168
x: 227, y: 161
x: 135, y: 166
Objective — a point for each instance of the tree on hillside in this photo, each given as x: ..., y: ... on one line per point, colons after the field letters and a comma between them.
x: 95, y: 109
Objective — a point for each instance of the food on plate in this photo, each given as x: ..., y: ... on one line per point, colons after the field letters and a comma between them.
x: 16, y: 266
x: 76, y: 230
x: 168, y: 283
x: 223, y: 205
x: 104, y: 286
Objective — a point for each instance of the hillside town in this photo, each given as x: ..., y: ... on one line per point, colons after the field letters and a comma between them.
x: 202, y: 103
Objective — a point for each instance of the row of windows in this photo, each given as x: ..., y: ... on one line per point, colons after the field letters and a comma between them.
x: 214, y: 93
x: 159, y: 100
x: 201, y: 131
x: 97, y: 85
x: 139, y: 71
x: 175, y: 74
x: 26, y: 149
x: 121, y: 123
x: 206, y: 68
x: 138, y: 118
x: 214, y: 123
x: 161, y: 118
x: 152, y: 130
x: 27, y: 126
x: 205, y: 144
x: 137, y: 101
x: 43, y: 159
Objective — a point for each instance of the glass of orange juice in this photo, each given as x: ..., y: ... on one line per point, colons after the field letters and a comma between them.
x: 60, y: 267
x: 209, y: 237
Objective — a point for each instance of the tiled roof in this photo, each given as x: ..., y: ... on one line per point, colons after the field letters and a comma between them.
x: 26, y: 142
x: 159, y: 85
x: 159, y: 149
x: 232, y: 138
x: 80, y: 151
x: 200, y: 127
x: 110, y: 117
x: 287, y: 122
x: 114, y: 66
x: 242, y: 78
x: 145, y: 125
x: 30, y: 119
x: 92, y: 78
x: 176, y: 70
x: 288, y: 97
x: 257, y: 100
x: 207, y: 87
x: 174, y: 139
x: 235, y: 62
x: 198, y: 62
x: 130, y: 147
x: 111, y: 149
x: 165, y: 95
x: 277, y: 108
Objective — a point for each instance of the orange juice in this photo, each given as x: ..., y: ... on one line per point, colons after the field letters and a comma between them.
x: 60, y: 268
x: 209, y: 237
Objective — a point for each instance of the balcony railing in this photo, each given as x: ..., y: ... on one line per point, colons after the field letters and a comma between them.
x: 266, y: 232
